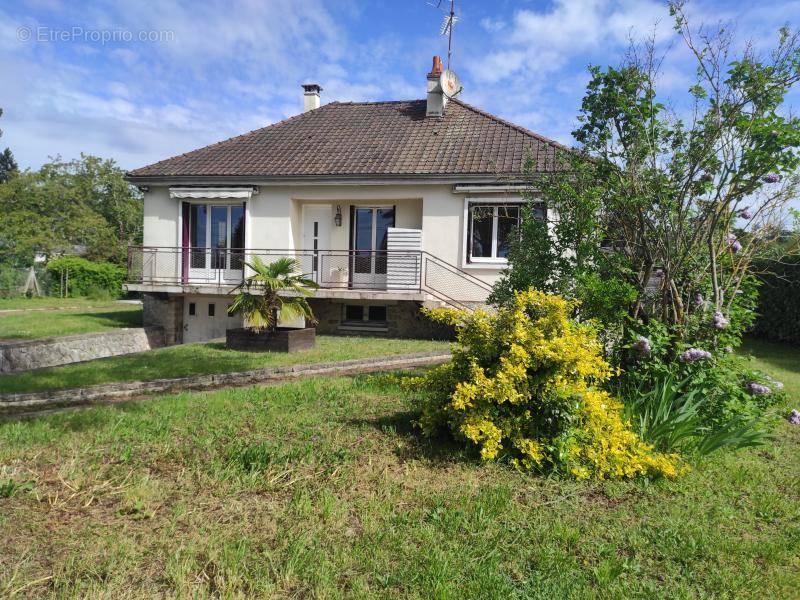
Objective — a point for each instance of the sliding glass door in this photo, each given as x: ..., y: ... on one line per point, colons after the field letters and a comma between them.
x: 216, y: 237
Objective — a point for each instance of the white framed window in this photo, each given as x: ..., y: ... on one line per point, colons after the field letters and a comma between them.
x: 489, y: 230
x: 490, y: 225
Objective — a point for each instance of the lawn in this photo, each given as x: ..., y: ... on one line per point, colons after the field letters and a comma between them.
x: 86, y: 316
x: 202, y: 359
x: 45, y: 302
x: 321, y: 488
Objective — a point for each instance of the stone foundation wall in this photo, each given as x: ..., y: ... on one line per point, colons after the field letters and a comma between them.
x: 404, y: 319
x: 165, y: 311
x: 51, y: 352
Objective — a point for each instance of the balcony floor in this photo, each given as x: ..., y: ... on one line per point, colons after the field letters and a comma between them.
x: 343, y: 294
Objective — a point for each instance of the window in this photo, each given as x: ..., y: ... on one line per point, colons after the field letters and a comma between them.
x: 355, y: 314
x: 228, y: 310
x: 489, y: 231
x: 216, y: 235
x: 211, y: 309
x: 198, y: 219
x: 192, y: 309
x: 377, y: 313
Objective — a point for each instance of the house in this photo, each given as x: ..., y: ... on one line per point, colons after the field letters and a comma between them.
x: 387, y: 205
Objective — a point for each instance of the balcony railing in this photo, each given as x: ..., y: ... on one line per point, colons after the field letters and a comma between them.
x: 378, y: 270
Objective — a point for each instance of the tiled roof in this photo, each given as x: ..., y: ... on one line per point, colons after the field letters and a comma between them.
x: 369, y: 139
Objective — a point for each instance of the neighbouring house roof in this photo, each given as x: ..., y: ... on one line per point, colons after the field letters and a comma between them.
x: 369, y: 139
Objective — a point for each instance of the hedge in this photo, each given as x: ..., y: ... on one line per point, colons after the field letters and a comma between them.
x: 87, y: 278
x: 779, y: 302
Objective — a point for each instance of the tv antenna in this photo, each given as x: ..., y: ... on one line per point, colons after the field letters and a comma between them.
x: 450, y: 19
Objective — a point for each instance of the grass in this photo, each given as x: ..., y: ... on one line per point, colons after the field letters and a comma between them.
x: 321, y: 488
x: 44, y: 302
x: 89, y: 316
x: 782, y: 361
x: 202, y: 359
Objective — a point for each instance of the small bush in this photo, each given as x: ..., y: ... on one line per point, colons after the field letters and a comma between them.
x: 721, y: 382
x: 521, y: 387
x: 87, y: 278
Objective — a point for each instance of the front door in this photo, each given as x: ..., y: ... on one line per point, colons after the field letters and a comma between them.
x: 368, y: 245
x: 316, y: 242
x: 216, y: 237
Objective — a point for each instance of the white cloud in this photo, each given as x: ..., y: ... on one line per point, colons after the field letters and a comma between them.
x: 490, y: 24
x: 230, y: 67
x: 544, y: 42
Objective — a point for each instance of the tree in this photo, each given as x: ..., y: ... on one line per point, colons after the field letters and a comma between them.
x: 7, y: 163
x: 84, y: 203
x: 660, y: 215
x: 259, y: 299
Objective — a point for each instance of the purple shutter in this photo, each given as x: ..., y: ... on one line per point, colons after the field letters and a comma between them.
x: 185, y: 242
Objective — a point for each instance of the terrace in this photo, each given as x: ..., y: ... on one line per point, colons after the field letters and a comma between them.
x: 386, y: 274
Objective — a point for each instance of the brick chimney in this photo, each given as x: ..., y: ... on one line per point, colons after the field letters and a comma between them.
x: 436, y: 98
x: 311, y: 96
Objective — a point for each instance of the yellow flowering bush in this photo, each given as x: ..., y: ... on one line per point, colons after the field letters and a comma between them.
x: 522, y: 386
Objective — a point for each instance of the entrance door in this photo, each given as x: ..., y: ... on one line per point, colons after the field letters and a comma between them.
x: 368, y: 245
x: 216, y: 237
x: 316, y: 242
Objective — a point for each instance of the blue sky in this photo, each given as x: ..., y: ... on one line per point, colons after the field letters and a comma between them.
x: 219, y: 68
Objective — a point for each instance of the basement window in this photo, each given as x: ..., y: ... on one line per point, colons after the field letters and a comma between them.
x: 376, y: 313
x: 353, y: 312
x: 358, y: 316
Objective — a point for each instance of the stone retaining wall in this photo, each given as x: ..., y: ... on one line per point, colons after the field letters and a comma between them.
x: 24, y: 355
x: 21, y: 405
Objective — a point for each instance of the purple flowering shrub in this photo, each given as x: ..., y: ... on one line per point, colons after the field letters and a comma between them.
x: 701, y: 355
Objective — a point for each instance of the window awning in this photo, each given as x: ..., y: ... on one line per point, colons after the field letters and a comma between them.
x: 211, y: 192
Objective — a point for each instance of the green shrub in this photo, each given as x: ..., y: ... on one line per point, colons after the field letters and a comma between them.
x: 87, y: 278
x: 522, y: 387
x: 11, y: 281
x: 779, y: 302
x: 672, y: 421
x: 721, y: 382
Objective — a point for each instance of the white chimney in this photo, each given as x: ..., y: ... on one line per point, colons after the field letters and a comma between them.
x: 436, y: 98
x: 311, y: 96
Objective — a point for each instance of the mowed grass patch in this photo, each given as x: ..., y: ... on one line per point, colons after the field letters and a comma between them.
x: 48, y: 302
x: 32, y: 324
x: 781, y: 361
x: 321, y: 488
x: 202, y: 359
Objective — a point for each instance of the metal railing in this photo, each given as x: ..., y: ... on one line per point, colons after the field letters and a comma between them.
x: 378, y: 270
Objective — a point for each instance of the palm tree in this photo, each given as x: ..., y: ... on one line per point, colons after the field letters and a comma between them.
x: 258, y: 296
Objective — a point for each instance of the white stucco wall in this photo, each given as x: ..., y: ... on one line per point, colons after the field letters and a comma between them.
x: 275, y: 217
x: 161, y: 215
